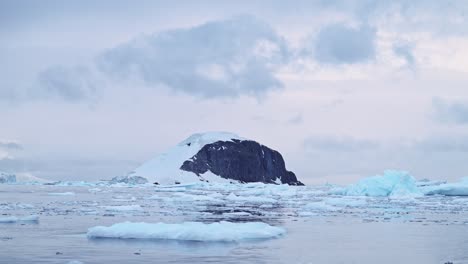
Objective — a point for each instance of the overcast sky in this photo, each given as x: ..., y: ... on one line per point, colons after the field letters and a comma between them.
x: 343, y: 89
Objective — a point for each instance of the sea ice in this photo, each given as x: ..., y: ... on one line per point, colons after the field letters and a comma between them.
x: 123, y: 208
x: 62, y: 194
x: 14, y: 219
x: 190, y: 231
x: 391, y: 183
x: 249, y: 199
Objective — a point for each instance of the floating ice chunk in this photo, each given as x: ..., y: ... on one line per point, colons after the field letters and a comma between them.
x: 392, y: 183
x: 123, y: 208
x: 75, y: 262
x: 346, y: 202
x: 320, y: 206
x: 449, y: 189
x: 191, y: 231
x: 62, y: 194
x: 14, y: 219
x: 249, y: 199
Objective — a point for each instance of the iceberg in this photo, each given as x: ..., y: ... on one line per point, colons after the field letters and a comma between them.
x: 7, y: 178
x: 391, y: 183
x: 132, y: 180
x: 449, y: 189
x: 189, y: 231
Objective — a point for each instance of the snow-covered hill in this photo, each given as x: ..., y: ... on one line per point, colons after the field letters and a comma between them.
x: 216, y: 157
x: 165, y: 168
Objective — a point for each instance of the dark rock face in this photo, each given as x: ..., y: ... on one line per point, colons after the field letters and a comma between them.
x: 242, y: 160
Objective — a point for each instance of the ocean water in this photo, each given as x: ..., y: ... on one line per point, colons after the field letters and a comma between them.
x: 321, y: 228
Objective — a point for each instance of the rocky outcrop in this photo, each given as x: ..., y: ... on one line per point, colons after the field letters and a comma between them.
x: 241, y: 160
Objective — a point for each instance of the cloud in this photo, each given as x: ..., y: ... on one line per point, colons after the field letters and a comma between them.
x: 295, y: 120
x: 405, y: 51
x: 6, y: 147
x: 338, y: 144
x: 342, y: 44
x: 224, y: 58
x: 7, y: 144
x: 67, y: 83
x: 455, y: 112
x: 443, y: 144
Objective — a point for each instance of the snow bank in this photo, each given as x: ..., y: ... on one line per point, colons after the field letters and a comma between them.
x: 391, y: 183
x: 190, y: 231
x: 165, y: 168
x: 14, y: 219
x: 449, y: 189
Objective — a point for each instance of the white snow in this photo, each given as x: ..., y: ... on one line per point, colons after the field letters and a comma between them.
x: 192, y: 231
x: 165, y: 168
x: 391, y: 183
x: 14, y: 219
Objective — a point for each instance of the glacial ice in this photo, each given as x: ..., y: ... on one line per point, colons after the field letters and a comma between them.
x: 7, y: 178
x: 189, y: 231
x: 391, y: 183
x: 448, y: 189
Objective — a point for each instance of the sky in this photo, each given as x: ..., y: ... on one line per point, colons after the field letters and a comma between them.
x: 343, y: 89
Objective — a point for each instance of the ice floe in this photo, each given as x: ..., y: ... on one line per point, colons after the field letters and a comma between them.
x: 62, y: 194
x: 190, y: 231
x: 14, y: 219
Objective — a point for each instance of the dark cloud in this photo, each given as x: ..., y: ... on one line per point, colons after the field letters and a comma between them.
x: 70, y: 84
x: 338, y: 144
x: 455, y: 112
x: 218, y: 59
x: 342, y: 44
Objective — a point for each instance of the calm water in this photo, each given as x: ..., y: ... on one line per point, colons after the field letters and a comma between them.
x: 349, y: 230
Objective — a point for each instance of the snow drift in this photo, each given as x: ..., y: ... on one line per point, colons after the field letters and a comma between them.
x: 189, y: 231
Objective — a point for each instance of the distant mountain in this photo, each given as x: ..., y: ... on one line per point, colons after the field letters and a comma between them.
x: 217, y: 157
